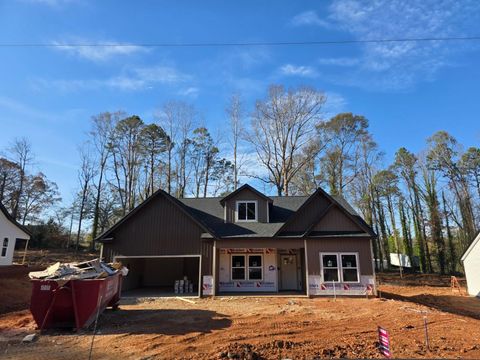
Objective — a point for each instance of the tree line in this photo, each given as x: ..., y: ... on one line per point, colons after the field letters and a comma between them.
x: 25, y: 194
x: 425, y: 205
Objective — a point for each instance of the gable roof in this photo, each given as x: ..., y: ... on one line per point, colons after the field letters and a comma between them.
x: 13, y: 221
x: 283, y: 210
x: 208, y: 213
x: 212, y: 213
x: 470, y: 248
x: 337, y: 201
x: 242, y: 188
x: 197, y: 220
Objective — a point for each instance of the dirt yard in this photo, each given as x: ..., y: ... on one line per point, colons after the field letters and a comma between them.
x: 14, y: 283
x: 45, y: 258
x: 252, y: 327
x: 264, y: 328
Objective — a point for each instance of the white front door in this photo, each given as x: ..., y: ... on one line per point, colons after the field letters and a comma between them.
x: 288, y: 272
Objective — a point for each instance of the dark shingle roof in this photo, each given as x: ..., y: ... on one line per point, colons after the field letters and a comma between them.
x: 210, y: 212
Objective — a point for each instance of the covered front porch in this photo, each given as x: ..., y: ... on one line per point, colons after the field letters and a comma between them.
x: 259, y: 267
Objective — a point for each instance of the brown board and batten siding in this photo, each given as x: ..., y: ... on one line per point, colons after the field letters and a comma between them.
x: 336, y: 220
x: 338, y: 245
x: 162, y: 228
x: 307, y: 214
x: 246, y: 194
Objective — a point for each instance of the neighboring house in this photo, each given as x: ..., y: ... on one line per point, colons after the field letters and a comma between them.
x: 10, y: 231
x: 245, y: 242
x: 471, y: 263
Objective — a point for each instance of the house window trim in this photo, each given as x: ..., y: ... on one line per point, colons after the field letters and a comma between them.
x: 340, y: 266
x: 238, y: 267
x: 322, y: 266
x: 246, y: 267
x: 238, y: 202
x: 357, y: 260
x: 5, y: 244
x: 255, y: 267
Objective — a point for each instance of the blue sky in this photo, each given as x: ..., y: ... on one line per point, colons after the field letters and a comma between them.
x: 407, y: 90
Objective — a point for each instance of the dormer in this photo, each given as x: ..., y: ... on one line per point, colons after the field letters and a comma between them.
x: 246, y: 204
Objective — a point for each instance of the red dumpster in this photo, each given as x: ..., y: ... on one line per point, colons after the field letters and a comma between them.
x: 73, y: 303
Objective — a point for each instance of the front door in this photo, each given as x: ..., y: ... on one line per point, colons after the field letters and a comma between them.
x: 288, y: 272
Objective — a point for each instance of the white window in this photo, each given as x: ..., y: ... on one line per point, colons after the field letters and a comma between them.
x: 255, y: 267
x: 340, y: 267
x: 4, y: 247
x: 250, y: 270
x: 349, y: 264
x: 246, y: 210
x: 330, y: 267
x: 238, y: 267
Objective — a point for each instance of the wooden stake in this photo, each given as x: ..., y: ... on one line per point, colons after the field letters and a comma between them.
x: 99, y: 302
x: 186, y: 300
x: 425, y: 323
x: 334, y: 291
x: 25, y: 252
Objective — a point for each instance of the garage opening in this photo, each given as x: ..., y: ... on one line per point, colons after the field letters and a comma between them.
x: 157, y: 276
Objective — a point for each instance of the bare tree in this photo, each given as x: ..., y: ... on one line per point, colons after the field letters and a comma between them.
x: 168, y: 120
x: 282, y: 126
x: 126, y: 155
x: 178, y: 119
x: 235, y: 113
x: 101, y: 134
x: 39, y: 194
x: 343, y: 133
x: 186, y: 121
x: 9, y: 176
x: 86, y: 174
x: 21, y: 151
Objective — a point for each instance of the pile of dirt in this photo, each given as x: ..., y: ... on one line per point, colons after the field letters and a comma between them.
x: 443, y: 299
x: 434, y: 280
x: 284, y: 349
x: 44, y: 258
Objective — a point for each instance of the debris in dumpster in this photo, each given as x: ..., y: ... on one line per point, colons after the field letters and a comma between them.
x: 93, y: 269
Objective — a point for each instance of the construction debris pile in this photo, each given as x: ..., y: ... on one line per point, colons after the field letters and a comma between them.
x: 93, y: 269
x: 183, y: 286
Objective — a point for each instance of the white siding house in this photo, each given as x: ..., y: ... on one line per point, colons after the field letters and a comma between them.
x: 10, y: 231
x: 471, y: 263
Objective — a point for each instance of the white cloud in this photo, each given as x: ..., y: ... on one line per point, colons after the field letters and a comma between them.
x: 51, y: 3
x: 293, y: 70
x: 309, y: 18
x: 190, y: 91
x: 400, y: 65
x: 131, y: 80
x: 340, y: 61
x: 96, y: 51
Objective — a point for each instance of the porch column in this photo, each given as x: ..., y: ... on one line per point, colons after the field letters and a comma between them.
x: 214, y: 268
x: 307, y: 288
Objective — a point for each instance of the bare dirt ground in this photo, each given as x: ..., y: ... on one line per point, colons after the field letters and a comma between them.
x: 264, y: 328
x: 257, y: 327
x: 45, y: 258
x: 15, y: 288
